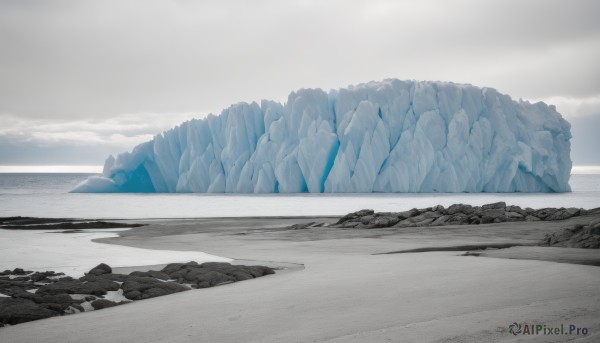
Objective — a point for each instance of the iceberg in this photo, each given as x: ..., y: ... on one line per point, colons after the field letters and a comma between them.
x: 388, y: 136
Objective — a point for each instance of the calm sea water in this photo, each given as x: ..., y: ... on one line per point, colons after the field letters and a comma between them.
x: 46, y: 195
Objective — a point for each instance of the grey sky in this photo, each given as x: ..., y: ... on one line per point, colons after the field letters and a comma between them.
x: 81, y: 79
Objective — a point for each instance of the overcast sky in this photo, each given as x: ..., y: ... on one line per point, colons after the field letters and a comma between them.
x: 83, y: 79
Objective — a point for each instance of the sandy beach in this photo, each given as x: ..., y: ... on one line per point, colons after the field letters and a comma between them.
x: 349, y: 290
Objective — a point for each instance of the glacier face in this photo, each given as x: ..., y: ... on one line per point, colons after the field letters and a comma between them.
x: 389, y: 136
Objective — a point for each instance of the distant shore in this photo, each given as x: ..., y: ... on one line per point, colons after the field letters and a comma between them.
x: 348, y: 290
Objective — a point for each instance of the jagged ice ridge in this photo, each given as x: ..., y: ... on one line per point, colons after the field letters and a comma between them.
x: 389, y: 136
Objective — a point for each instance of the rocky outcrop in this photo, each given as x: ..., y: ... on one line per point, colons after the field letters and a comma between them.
x: 578, y: 236
x: 17, y: 310
x: 41, y: 295
x: 138, y: 288
x: 457, y: 214
x: 211, y: 274
x: 97, y: 287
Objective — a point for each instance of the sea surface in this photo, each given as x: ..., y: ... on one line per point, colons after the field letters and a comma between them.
x: 47, y: 195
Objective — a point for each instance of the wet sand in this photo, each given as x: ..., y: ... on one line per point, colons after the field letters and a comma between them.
x: 348, y: 291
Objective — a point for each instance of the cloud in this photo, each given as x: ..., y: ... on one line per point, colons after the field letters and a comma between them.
x: 124, y: 130
x: 571, y: 107
x: 85, y: 141
x: 73, y: 59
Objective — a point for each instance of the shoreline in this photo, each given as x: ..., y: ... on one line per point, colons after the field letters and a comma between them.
x: 345, y: 293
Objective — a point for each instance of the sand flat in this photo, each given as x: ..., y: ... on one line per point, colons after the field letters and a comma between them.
x: 344, y: 293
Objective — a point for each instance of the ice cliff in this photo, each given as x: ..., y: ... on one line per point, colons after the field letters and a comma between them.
x: 389, y: 136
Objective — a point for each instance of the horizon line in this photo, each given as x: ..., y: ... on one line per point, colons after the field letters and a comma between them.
x: 50, y: 169
x: 97, y: 169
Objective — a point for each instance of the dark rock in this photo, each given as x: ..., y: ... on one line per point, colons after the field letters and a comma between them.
x: 458, y: 219
x: 493, y: 213
x: 98, y: 287
x: 438, y: 208
x: 354, y: 215
x: 500, y: 219
x: 362, y: 213
x: 386, y: 221
x: 366, y: 219
x: 440, y: 221
x: 152, y: 273
x: 544, y: 212
x: 58, y: 308
x: 578, y: 236
x: 103, y: 303
x: 18, y: 292
x: 134, y: 295
x: 563, y: 213
x: 137, y: 288
x: 348, y: 224
x: 486, y: 220
x: 209, y: 278
x: 211, y: 274
x: 37, y: 276
x: 6, y: 272
x: 424, y: 222
x: 173, y: 267
x: 474, y: 220
x: 514, y: 216
x: 100, y: 269
x: 497, y: 205
x: 16, y: 311
x: 459, y: 208
x: 105, y: 277
x: 74, y: 308
x: 20, y: 271
x: 21, y: 278
x: 408, y: 214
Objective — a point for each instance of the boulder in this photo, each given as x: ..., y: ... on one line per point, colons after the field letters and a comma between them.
x: 578, y: 236
x: 563, y: 213
x: 440, y: 221
x: 514, y: 216
x: 103, y: 303
x: 15, y: 311
x: 173, y: 267
x: 100, y: 269
x: 438, y: 208
x: 408, y: 214
x: 384, y: 221
x: 366, y: 219
x: 544, y: 212
x: 501, y: 205
x: 459, y: 208
x: 458, y: 219
x: 137, y: 288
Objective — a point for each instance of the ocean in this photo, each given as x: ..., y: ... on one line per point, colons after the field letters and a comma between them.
x: 47, y: 195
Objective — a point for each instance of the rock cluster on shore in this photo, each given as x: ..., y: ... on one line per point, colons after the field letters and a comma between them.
x: 30, y: 296
x: 578, y: 236
x: 457, y: 214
